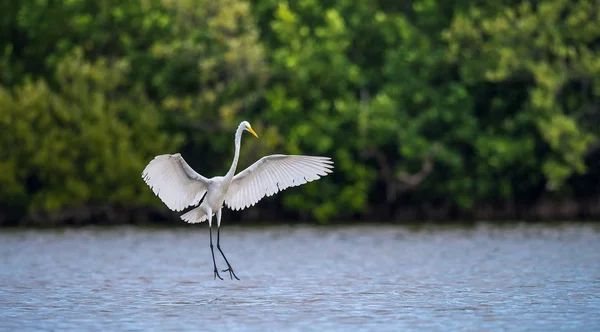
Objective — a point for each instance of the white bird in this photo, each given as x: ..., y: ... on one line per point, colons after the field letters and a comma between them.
x: 179, y: 186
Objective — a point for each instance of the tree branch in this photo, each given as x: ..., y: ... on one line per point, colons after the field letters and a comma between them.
x: 386, y: 171
x: 403, y: 181
x: 410, y: 181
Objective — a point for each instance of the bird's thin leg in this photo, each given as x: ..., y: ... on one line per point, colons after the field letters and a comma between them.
x: 229, y: 268
x: 211, y: 247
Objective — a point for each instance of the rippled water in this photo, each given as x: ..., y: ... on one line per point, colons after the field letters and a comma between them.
x: 384, y: 278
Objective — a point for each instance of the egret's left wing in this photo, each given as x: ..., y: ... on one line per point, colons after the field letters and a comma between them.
x: 271, y: 174
x: 174, y: 181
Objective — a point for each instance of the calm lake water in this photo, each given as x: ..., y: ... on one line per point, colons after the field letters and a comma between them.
x: 383, y: 278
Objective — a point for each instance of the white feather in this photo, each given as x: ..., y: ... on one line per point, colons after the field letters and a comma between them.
x: 272, y: 174
x: 174, y: 181
x: 194, y: 216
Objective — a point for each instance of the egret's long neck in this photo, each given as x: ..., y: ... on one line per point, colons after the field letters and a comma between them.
x: 236, y: 156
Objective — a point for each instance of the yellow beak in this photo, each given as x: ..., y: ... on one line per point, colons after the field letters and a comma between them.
x: 252, y: 131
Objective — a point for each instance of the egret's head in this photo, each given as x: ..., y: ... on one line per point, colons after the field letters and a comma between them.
x: 248, y: 127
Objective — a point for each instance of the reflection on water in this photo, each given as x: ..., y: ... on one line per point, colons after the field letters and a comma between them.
x: 385, y: 278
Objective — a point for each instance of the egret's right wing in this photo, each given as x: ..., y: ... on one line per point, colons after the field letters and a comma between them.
x: 272, y: 174
x: 174, y: 181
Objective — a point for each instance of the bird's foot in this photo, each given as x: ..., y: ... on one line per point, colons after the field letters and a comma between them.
x: 231, y: 273
x: 217, y: 274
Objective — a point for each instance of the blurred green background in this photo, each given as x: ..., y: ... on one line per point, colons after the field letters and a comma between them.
x: 430, y: 109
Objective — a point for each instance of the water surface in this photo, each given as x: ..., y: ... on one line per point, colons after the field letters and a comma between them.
x: 384, y: 278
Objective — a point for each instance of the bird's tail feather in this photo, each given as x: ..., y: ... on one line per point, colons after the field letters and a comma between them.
x: 194, y: 216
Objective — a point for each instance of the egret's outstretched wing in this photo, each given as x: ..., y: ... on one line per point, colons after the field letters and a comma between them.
x: 271, y: 174
x: 174, y: 181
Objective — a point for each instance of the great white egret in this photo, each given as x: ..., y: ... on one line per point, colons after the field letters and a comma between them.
x: 179, y: 186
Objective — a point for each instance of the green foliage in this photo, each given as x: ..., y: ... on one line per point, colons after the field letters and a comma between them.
x: 500, y: 99
x: 313, y: 98
x: 549, y: 48
x: 84, y: 145
x: 211, y: 68
x: 421, y: 106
